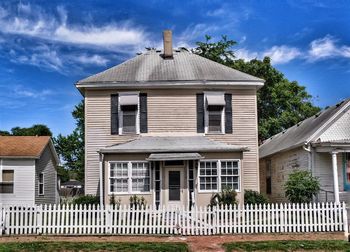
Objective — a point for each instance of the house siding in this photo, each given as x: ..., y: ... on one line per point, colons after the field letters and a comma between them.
x: 47, y: 166
x: 24, y: 174
x: 282, y: 164
x: 171, y: 112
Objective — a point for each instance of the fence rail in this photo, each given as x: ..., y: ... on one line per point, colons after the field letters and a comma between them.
x: 130, y: 220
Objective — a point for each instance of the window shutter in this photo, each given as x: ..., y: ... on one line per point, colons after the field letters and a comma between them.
x: 143, y: 113
x: 114, y: 115
x: 228, y: 113
x: 200, y: 113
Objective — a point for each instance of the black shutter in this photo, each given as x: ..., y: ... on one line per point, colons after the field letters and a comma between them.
x: 200, y: 113
x: 143, y: 113
x: 228, y: 113
x: 114, y: 115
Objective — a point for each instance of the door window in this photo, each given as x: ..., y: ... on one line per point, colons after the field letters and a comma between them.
x: 174, y: 185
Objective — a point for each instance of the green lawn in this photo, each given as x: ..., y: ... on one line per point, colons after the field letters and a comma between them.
x: 321, y: 245
x: 93, y: 246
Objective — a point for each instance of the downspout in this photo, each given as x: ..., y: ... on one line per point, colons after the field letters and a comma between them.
x: 101, y: 178
x: 307, y: 147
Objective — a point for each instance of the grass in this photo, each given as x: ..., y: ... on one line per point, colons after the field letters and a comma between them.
x: 93, y: 246
x: 320, y: 245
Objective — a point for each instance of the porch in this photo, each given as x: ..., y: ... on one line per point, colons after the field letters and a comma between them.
x: 172, y: 171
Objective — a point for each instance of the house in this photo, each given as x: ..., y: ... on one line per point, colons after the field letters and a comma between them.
x: 28, y: 166
x: 72, y: 183
x: 170, y: 126
x: 320, y: 144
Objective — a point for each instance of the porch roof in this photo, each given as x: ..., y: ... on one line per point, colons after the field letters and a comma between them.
x: 175, y: 144
x: 174, y: 156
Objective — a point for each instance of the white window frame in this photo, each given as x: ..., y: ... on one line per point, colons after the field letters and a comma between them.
x: 41, y: 183
x: 206, y: 114
x: 120, y: 113
x: 130, y: 191
x: 219, y: 189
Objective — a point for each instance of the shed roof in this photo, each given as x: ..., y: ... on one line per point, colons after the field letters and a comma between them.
x: 160, y: 144
x: 304, y: 131
x: 23, y: 146
x: 152, y: 67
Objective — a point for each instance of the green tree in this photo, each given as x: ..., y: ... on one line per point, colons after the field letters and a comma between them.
x: 281, y: 103
x: 71, y: 148
x: 35, y: 130
x: 301, y: 186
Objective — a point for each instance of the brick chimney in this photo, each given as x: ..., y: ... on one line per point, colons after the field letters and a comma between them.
x: 168, y: 44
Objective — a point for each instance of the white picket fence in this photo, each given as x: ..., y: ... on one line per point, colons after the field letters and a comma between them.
x: 126, y: 220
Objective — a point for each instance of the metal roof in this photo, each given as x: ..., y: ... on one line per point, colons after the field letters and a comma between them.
x: 152, y: 67
x: 305, y: 131
x: 174, y: 156
x: 160, y: 144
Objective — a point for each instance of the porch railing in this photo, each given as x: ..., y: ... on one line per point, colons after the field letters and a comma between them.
x: 145, y: 220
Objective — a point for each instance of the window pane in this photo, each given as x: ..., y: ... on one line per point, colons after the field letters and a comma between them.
x: 214, y: 116
x: 6, y: 187
x: 129, y: 119
x: 7, y: 175
x: 41, y: 178
x: 208, y: 175
x: 140, y: 177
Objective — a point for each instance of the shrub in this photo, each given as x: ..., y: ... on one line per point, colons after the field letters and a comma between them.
x: 87, y: 199
x: 226, y: 197
x: 301, y: 186
x: 254, y: 197
x: 137, y: 201
x: 113, y: 201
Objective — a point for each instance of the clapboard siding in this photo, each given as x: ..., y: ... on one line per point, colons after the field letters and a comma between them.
x: 282, y: 164
x: 24, y: 174
x: 47, y: 166
x: 170, y: 112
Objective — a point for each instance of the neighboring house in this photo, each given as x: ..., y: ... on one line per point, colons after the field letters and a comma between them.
x: 72, y: 184
x: 71, y: 189
x: 170, y: 126
x: 28, y: 166
x: 320, y: 144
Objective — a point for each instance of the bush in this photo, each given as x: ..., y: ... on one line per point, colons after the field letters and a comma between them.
x: 137, y: 201
x: 87, y: 199
x: 301, y: 186
x: 254, y: 197
x: 114, y: 202
x: 226, y: 197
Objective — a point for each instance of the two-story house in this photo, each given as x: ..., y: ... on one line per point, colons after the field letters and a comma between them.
x: 171, y: 126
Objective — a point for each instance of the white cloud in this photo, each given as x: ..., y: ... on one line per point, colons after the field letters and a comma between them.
x: 91, y: 59
x: 282, y: 54
x: 326, y: 47
x: 20, y: 91
x: 33, y: 21
x: 246, y: 54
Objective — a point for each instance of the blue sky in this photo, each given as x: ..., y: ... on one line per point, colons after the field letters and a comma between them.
x: 46, y: 46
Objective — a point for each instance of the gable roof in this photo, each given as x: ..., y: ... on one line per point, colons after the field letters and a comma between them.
x: 166, y: 144
x: 305, y: 131
x: 24, y: 146
x: 152, y: 67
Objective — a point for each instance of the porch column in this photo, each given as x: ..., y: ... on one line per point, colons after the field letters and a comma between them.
x: 101, y: 178
x: 335, y: 176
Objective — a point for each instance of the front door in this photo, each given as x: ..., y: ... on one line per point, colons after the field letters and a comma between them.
x: 174, y: 186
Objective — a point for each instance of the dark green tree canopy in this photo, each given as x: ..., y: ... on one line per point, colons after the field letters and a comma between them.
x: 281, y: 103
x: 71, y: 148
x: 35, y: 130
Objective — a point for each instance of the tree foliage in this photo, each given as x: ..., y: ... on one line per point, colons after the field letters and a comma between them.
x: 281, y: 103
x: 254, y: 197
x: 226, y: 197
x: 301, y: 186
x: 71, y: 148
x: 35, y: 130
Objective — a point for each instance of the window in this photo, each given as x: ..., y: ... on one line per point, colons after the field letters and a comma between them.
x: 214, y: 112
x: 6, y: 186
x: 129, y: 113
x: 268, y: 177
x: 129, y: 177
x: 208, y: 176
x: 218, y: 174
x: 229, y: 175
x: 41, y: 184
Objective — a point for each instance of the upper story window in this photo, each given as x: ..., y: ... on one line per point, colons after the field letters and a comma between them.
x: 6, y: 186
x: 214, y: 112
x: 129, y: 113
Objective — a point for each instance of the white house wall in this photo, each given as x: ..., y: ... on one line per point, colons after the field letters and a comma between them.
x: 24, y: 174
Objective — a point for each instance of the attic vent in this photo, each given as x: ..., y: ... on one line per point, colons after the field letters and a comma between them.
x: 298, y: 124
x: 168, y: 44
x: 158, y: 51
x: 318, y: 114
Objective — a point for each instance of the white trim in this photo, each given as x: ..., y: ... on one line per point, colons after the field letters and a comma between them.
x: 206, y: 113
x: 219, y: 174
x: 43, y: 183
x: 120, y: 114
x: 129, y: 178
